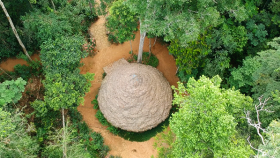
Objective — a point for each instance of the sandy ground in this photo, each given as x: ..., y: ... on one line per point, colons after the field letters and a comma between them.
x: 106, y: 54
x: 9, y: 64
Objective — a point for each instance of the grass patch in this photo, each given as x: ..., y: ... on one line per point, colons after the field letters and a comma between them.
x: 150, y: 60
x: 146, y: 59
x: 143, y: 136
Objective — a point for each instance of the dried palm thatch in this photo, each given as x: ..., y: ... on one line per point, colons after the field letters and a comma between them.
x: 134, y: 97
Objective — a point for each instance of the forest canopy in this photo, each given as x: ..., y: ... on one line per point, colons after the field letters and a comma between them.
x: 227, y: 56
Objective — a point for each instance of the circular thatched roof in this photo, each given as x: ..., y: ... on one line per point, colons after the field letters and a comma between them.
x: 134, y: 97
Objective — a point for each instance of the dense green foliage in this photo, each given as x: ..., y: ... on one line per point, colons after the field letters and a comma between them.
x: 237, y: 40
x: 184, y: 20
x: 56, y: 27
x: 8, y: 42
x: 205, y: 123
x: 10, y: 91
x: 259, y: 76
x: 14, y: 137
x: 219, y: 48
x: 271, y: 148
x: 74, y: 148
x: 37, y: 22
x: 63, y: 53
x: 121, y: 23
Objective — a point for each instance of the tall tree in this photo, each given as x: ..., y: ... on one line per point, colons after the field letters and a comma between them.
x: 182, y: 20
x: 121, y: 22
x: 205, y: 124
x: 65, y: 86
x: 14, y: 137
x: 14, y: 30
x: 260, y: 76
x: 62, y: 137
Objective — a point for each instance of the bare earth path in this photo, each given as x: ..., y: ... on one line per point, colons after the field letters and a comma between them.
x: 9, y: 64
x: 107, y: 54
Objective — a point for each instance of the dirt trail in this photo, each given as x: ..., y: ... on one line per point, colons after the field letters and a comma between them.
x: 107, y: 54
x: 9, y: 64
x: 98, y: 31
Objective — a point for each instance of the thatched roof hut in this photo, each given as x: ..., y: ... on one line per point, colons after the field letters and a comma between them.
x: 134, y: 97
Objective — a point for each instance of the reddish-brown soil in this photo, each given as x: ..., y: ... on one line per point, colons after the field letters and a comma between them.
x: 9, y: 64
x: 107, y: 54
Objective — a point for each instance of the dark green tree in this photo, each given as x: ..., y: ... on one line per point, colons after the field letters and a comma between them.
x: 121, y: 22
x: 8, y: 41
x: 14, y: 30
x: 260, y: 75
x: 182, y: 20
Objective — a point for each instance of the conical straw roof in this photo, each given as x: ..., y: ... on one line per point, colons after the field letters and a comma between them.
x: 134, y: 97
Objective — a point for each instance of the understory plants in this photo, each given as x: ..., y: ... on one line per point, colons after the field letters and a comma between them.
x: 148, y: 59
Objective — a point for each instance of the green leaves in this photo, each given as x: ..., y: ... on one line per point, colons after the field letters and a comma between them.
x: 259, y: 76
x: 14, y: 138
x: 65, y: 86
x: 271, y: 148
x: 205, y: 124
x: 190, y: 57
x: 184, y: 20
x: 261, y: 73
x: 47, y: 26
x: 66, y: 91
x: 257, y: 33
x: 10, y: 91
x: 62, y: 53
x: 122, y: 23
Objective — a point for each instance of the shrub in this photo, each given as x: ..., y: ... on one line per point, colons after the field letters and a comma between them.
x: 146, y: 59
x: 97, y: 141
x: 101, y: 118
x: 104, y: 75
x: 150, y: 60
x: 23, y: 71
x: 104, y: 150
x: 95, y: 102
x: 113, y: 39
x: 111, y: 156
x: 113, y: 130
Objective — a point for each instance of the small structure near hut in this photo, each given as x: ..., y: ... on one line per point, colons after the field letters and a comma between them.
x: 134, y: 97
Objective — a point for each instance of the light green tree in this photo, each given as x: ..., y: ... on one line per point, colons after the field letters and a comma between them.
x: 14, y: 138
x: 60, y: 137
x: 10, y: 91
x: 272, y: 141
x: 270, y: 136
x: 207, y: 118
